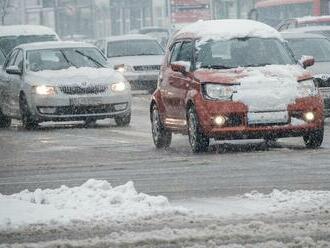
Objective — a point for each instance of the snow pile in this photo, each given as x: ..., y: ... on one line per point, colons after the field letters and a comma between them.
x: 274, y: 85
x: 277, y: 203
x: 229, y: 29
x: 16, y: 30
x: 94, y: 200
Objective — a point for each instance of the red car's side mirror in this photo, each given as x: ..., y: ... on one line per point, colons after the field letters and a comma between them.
x: 181, y: 66
x: 307, y: 61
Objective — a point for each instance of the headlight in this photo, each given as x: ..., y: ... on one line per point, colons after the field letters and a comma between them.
x: 218, y: 91
x: 307, y: 88
x: 45, y: 90
x: 123, y: 68
x: 118, y: 87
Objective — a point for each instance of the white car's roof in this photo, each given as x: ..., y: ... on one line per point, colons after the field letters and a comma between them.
x: 18, y: 30
x: 229, y: 29
x: 54, y: 44
x: 129, y: 37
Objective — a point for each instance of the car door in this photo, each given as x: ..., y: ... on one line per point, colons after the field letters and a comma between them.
x: 179, y: 84
x: 5, y: 84
x: 166, y: 78
x: 15, y: 83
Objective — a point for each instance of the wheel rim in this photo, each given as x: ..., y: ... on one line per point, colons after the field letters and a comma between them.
x: 155, y: 125
x: 192, y: 129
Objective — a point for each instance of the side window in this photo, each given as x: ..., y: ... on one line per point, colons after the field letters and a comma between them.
x: 186, y: 52
x: 11, y: 59
x: 19, y: 60
x: 175, y: 52
x: 292, y: 24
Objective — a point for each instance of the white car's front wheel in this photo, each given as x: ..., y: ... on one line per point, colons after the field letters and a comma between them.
x: 123, y: 120
x: 5, y: 121
x: 27, y: 118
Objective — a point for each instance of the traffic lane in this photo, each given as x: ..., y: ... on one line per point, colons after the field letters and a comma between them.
x: 57, y: 154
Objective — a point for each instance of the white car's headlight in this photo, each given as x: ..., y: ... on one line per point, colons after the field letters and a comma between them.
x: 45, y: 90
x: 218, y: 91
x: 118, y: 87
x: 307, y: 88
x: 123, y: 68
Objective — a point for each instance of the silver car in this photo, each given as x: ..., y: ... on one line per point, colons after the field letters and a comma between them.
x: 61, y: 81
x: 317, y: 46
x: 138, y: 57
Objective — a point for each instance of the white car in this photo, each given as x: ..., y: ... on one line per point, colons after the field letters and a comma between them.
x: 60, y: 81
x: 137, y: 56
x: 15, y: 35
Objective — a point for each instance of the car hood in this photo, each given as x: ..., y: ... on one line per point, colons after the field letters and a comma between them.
x: 136, y: 60
x: 261, y: 89
x: 234, y: 76
x: 320, y: 68
x: 73, y: 76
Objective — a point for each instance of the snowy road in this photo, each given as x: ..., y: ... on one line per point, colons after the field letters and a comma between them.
x: 58, y: 154
x: 70, y: 155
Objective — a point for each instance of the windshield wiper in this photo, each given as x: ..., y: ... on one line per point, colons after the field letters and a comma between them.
x: 90, y: 58
x: 257, y: 65
x: 217, y: 67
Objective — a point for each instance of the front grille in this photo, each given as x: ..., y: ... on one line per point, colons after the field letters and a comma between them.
x: 78, y: 90
x: 147, y: 68
x: 84, y: 110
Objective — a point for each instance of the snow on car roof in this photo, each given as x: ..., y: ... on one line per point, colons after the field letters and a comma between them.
x: 130, y: 37
x: 300, y: 35
x: 53, y: 44
x: 18, y: 30
x: 313, y: 18
x: 229, y: 29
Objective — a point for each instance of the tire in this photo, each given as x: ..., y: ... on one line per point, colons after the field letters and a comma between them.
x: 198, y: 141
x: 28, y: 121
x: 314, y: 139
x: 5, y: 121
x: 124, y: 120
x: 162, y: 138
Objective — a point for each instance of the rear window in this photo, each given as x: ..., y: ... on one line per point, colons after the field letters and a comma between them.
x: 8, y: 43
x: 133, y: 48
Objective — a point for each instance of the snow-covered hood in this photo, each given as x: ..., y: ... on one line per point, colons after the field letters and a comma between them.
x: 137, y: 60
x: 320, y: 68
x: 269, y: 88
x: 73, y: 76
x: 234, y: 76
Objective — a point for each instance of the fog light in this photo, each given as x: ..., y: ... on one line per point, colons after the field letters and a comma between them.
x: 48, y: 110
x: 220, y: 120
x: 119, y: 107
x: 309, y: 116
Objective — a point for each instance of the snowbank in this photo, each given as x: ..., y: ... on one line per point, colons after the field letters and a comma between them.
x: 277, y: 203
x: 94, y: 200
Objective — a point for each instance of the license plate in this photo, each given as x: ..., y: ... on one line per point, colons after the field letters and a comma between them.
x: 85, y: 101
x: 268, y: 117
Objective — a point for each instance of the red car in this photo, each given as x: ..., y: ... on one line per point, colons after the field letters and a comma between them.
x: 234, y: 79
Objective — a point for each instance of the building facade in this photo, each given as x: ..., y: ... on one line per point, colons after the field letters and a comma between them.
x: 232, y: 9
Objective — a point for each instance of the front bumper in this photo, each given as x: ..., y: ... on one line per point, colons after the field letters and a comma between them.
x: 237, y: 126
x: 80, y: 107
x: 142, y: 80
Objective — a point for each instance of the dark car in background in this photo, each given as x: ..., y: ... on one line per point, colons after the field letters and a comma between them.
x: 318, y: 46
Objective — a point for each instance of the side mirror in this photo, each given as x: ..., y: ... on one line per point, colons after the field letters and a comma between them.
x: 307, y: 61
x: 13, y: 69
x: 181, y: 66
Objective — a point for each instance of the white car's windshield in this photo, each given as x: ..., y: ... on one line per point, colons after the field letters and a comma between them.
x: 241, y: 53
x: 57, y: 59
x: 134, y: 48
x: 318, y: 48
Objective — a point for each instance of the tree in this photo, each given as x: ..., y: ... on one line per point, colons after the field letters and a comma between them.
x: 4, y: 10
